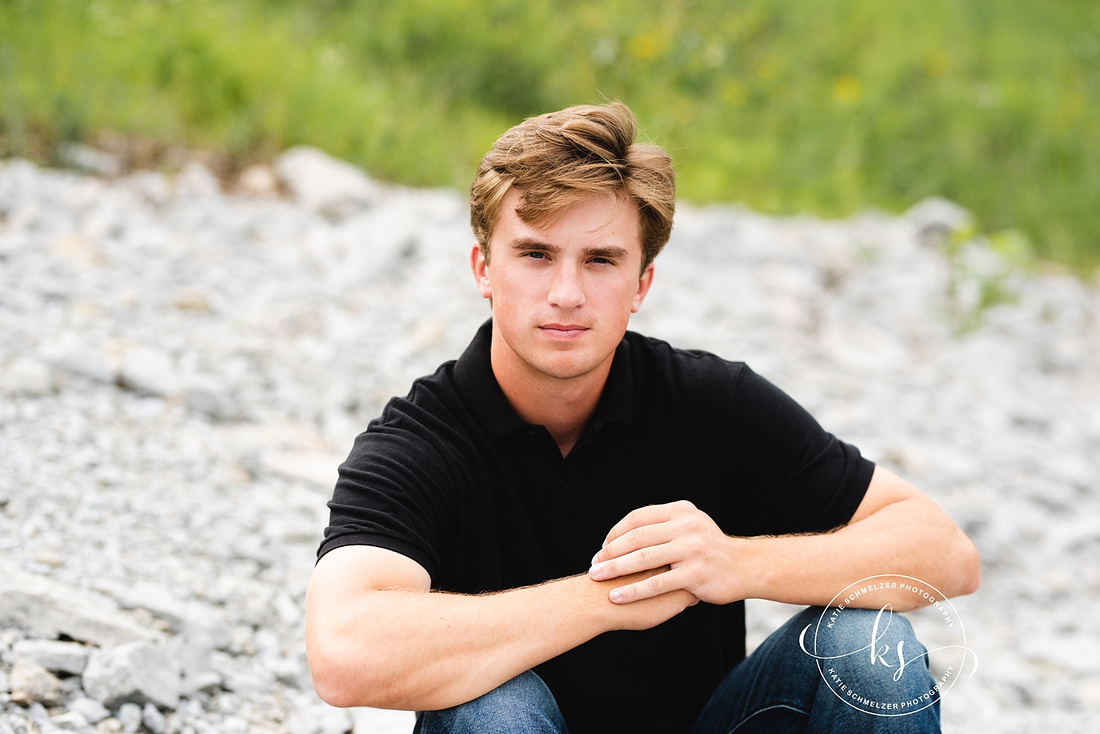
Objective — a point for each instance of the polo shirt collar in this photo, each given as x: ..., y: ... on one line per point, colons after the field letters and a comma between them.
x: 479, y: 390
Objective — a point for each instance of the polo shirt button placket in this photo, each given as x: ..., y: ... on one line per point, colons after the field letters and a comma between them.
x: 566, y: 528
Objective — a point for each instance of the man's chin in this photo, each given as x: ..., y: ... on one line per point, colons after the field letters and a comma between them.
x: 568, y: 367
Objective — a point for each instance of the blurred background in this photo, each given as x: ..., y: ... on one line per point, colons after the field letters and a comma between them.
x: 826, y: 107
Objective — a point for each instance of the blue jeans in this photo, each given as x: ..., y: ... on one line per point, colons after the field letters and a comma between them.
x: 778, y: 689
x: 523, y: 705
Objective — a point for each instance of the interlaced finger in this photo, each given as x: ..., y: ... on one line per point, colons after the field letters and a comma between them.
x: 661, y: 583
x: 643, y: 559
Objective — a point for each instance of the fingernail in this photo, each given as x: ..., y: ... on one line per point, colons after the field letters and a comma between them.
x: 616, y: 595
x: 595, y: 571
x: 594, y: 561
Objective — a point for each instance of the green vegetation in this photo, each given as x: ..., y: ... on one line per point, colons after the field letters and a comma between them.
x: 825, y: 106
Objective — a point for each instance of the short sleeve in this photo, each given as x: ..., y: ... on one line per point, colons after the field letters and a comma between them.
x: 394, y: 491
x: 799, y: 477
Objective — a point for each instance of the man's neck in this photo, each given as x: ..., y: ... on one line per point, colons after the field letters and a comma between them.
x: 563, y: 406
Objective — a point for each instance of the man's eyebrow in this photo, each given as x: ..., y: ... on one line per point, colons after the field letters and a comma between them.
x: 525, y: 243
x: 611, y: 252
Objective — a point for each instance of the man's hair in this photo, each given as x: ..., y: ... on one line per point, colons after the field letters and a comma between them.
x: 559, y: 158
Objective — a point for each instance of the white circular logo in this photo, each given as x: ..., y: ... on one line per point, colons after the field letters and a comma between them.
x: 853, y: 660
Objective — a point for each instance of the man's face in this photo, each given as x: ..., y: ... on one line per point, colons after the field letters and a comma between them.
x: 562, y: 292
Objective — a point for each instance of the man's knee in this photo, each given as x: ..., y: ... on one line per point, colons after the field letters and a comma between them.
x: 523, y: 704
x: 872, y: 654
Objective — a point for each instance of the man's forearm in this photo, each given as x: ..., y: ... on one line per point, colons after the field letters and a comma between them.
x: 909, y: 538
x: 417, y: 650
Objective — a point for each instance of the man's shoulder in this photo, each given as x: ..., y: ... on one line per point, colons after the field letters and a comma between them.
x: 662, y: 359
x: 428, y: 433
x: 432, y: 404
x: 683, y: 386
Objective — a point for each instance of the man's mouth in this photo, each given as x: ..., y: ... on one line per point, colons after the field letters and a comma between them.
x: 564, y: 327
x: 563, y: 331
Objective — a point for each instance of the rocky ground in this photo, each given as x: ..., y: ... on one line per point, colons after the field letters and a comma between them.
x: 182, y: 368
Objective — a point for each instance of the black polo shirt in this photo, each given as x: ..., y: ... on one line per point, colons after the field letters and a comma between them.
x: 451, y: 477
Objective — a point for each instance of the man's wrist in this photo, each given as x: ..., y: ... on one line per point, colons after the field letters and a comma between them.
x: 596, y: 606
x: 749, y: 559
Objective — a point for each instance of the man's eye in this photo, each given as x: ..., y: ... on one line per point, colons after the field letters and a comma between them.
x: 535, y: 255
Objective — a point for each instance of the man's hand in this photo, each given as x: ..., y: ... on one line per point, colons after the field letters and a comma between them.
x: 698, y: 556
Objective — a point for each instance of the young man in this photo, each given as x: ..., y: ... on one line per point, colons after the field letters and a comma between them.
x: 559, y: 528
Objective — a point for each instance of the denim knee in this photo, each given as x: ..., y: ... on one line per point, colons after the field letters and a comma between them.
x: 870, y: 659
x: 816, y: 674
x: 523, y: 705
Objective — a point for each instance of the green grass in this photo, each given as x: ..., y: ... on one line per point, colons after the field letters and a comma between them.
x: 825, y: 107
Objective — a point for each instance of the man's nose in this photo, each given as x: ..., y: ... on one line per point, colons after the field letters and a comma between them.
x: 566, y: 289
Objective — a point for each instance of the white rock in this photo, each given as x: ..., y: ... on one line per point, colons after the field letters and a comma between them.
x: 129, y: 715
x: 149, y: 371
x: 92, y: 711
x: 233, y: 725
x: 155, y: 599
x: 316, y: 468
x: 203, y: 682
x: 89, y: 159
x: 71, y: 354
x: 26, y: 376
x: 381, y: 721
x: 50, y: 609
x: 936, y: 217
x: 325, y: 184
x: 206, y: 394
x: 196, y: 181
x: 319, y: 719
x: 153, y: 186
x: 53, y: 655
x: 139, y: 672
x: 70, y: 721
x: 153, y: 719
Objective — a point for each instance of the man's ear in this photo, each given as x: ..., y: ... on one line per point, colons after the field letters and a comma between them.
x: 480, y: 268
x: 644, y: 283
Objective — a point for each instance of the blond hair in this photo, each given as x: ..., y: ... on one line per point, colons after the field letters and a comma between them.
x: 559, y: 158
